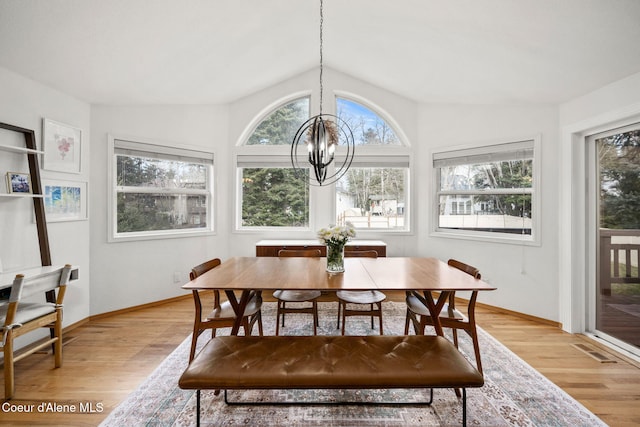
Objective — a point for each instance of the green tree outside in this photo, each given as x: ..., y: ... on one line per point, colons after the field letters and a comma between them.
x: 280, y: 127
x: 619, y: 157
x: 142, y: 211
x: 507, y: 174
x: 274, y: 197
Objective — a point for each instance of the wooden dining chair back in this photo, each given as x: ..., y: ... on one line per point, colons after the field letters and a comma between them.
x: 300, y: 298
x: 371, y: 298
x: 361, y: 254
x: 299, y: 253
x: 20, y: 317
x: 222, y: 314
x: 450, y: 316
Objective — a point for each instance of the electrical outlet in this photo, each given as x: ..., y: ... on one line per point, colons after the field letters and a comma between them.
x: 176, y: 277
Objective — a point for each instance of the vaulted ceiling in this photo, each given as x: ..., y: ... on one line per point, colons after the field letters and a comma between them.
x: 217, y: 51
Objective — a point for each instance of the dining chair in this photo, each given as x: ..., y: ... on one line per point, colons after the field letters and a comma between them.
x: 298, y: 297
x: 222, y: 314
x: 450, y: 317
x: 20, y: 317
x: 371, y: 298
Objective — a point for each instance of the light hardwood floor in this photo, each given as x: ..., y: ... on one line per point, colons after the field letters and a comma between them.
x: 110, y: 356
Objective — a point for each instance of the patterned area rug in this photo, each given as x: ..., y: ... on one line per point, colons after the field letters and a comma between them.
x: 514, y: 394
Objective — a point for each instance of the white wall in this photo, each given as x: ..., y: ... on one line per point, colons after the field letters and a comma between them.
x: 526, y: 276
x: 126, y: 274
x: 25, y: 103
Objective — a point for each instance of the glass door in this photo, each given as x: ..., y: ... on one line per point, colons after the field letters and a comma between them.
x: 616, y: 303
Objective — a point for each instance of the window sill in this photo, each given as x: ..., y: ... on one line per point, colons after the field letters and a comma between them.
x: 132, y: 237
x: 509, y: 239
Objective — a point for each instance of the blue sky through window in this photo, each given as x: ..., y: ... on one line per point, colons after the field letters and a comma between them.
x: 362, y: 120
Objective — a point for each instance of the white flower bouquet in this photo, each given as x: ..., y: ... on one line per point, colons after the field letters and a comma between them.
x: 335, y: 238
x: 338, y: 235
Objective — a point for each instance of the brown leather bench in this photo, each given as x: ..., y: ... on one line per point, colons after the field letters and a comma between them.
x: 329, y: 362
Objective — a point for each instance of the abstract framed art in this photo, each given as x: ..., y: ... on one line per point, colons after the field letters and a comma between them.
x: 61, y: 144
x: 65, y: 200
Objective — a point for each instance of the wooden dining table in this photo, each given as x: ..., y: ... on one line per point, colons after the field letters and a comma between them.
x: 426, y: 275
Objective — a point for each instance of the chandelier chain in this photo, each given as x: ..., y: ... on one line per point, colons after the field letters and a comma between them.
x: 321, y: 25
x: 320, y: 135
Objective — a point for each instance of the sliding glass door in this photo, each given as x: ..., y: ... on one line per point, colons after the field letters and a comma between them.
x: 615, y: 307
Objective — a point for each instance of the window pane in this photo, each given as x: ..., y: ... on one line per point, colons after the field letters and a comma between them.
x: 159, y: 191
x: 487, y: 189
x: 150, y: 212
x: 619, y: 160
x: 274, y: 197
x: 368, y: 128
x: 280, y: 127
x: 136, y: 171
x: 372, y: 198
x: 482, y: 176
x: 508, y: 213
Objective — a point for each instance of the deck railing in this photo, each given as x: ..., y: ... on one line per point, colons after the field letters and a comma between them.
x: 619, y: 258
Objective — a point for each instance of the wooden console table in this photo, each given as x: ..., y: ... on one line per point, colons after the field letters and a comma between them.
x: 272, y: 247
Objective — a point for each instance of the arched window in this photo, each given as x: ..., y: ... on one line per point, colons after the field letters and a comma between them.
x: 270, y: 196
x: 373, y: 194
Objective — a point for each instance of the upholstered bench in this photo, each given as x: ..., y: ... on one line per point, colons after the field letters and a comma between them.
x: 329, y: 362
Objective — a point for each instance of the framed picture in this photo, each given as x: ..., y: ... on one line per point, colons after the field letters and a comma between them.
x: 64, y: 200
x: 18, y: 182
x: 61, y: 144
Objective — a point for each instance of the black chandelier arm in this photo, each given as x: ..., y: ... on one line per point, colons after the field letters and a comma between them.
x: 321, y: 169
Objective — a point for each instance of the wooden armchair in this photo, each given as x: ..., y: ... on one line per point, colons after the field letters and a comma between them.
x: 222, y: 314
x: 450, y: 317
x: 20, y: 317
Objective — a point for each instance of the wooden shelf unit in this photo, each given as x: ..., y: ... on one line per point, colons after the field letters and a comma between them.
x: 31, y: 151
x: 24, y: 196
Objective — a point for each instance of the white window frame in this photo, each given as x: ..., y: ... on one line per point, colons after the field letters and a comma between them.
x: 155, y: 149
x: 488, y: 150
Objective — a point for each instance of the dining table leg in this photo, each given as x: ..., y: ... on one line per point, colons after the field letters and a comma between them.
x: 435, y: 308
x: 238, y: 307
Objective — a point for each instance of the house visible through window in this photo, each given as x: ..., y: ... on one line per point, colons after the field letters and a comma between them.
x: 487, y: 190
x: 160, y: 191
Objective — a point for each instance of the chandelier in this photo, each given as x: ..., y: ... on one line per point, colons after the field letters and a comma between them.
x: 321, y: 135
